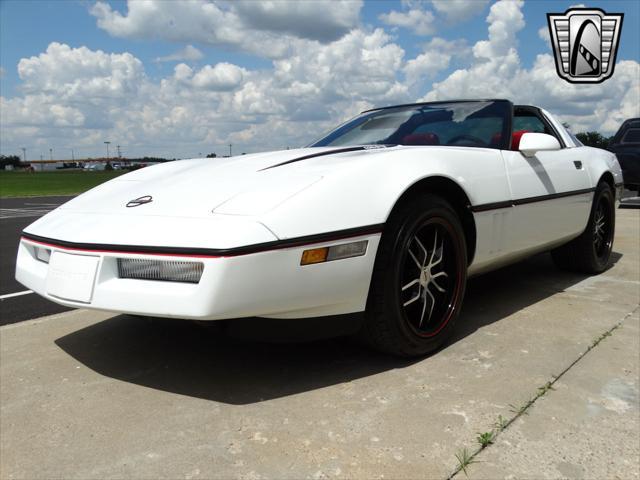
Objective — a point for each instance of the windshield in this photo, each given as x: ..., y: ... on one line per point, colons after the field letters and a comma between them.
x: 469, y: 124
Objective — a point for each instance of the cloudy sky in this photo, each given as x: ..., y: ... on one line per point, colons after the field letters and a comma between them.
x: 179, y: 78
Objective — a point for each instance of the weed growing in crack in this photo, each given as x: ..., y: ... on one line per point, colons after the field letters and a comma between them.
x: 464, y: 460
x: 501, y: 423
x: 485, y: 439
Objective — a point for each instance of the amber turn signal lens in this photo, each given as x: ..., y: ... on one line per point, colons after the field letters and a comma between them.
x: 317, y: 255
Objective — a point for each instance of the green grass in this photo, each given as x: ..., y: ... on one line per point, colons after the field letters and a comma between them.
x: 24, y: 184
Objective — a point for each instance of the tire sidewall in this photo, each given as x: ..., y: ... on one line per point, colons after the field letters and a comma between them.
x: 603, y: 190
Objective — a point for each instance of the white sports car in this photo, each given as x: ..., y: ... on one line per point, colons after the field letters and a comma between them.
x: 388, y: 214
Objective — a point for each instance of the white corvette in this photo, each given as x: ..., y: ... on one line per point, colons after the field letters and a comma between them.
x: 387, y: 214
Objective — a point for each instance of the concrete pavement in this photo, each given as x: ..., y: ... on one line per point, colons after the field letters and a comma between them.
x: 92, y: 395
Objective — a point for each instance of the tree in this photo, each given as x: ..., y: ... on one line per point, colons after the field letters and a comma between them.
x: 212, y: 155
x: 12, y: 160
x: 594, y: 139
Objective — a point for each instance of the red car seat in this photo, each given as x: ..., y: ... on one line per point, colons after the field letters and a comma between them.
x: 426, y: 138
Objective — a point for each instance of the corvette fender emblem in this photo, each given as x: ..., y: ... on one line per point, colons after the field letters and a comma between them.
x: 585, y: 43
x: 136, y: 202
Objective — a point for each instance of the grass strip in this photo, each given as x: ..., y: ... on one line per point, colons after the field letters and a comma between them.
x: 25, y: 184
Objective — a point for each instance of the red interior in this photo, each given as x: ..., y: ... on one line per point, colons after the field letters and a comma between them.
x: 426, y: 138
x: 515, y: 139
x: 496, y: 139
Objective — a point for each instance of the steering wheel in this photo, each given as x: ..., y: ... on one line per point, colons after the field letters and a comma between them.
x: 476, y: 141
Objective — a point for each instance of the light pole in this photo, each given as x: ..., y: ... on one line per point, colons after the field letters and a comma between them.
x: 107, y: 144
x: 24, y: 154
x: 73, y: 157
x: 51, y: 154
x: 230, y: 149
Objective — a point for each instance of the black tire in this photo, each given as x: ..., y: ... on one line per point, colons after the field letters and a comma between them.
x: 396, y: 311
x: 591, y: 251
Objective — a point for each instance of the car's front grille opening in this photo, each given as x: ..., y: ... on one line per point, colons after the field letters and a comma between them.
x: 162, y: 270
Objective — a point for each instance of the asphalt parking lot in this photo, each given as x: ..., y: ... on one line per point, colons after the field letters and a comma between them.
x: 15, y: 215
x: 95, y: 395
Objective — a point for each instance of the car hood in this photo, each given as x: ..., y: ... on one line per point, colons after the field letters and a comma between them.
x: 248, y: 184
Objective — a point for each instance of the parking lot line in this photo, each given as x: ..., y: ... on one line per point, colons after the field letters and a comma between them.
x: 16, y: 294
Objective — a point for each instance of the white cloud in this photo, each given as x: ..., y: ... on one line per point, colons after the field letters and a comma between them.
x: 543, y: 33
x: 259, y: 28
x: 221, y: 77
x: 459, y: 10
x: 186, y: 54
x: 315, y: 20
x: 421, y: 22
x: 2, y: 72
x: 78, y: 97
x: 505, y: 20
x: 81, y: 73
x: 437, y: 57
x: 497, y: 72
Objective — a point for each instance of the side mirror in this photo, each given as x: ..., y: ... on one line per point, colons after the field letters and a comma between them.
x: 531, y: 143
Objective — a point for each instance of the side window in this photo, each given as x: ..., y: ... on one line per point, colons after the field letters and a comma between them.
x: 530, y: 123
x: 631, y: 136
x: 526, y: 119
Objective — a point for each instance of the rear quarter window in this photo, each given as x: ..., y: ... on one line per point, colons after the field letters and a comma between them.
x: 631, y: 136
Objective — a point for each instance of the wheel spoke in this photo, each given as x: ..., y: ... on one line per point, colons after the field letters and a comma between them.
x: 433, y: 304
x: 415, y: 259
x: 426, y: 254
x: 433, y: 252
x: 437, y: 259
x: 410, y: 284
x: 424, y: 307
x: 440, y: 289
x: 409, y: 302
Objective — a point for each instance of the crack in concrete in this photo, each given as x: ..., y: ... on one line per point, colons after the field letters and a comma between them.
x: 542, y: 391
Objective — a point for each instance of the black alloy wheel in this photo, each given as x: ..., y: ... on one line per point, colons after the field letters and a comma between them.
x: 419, y: 278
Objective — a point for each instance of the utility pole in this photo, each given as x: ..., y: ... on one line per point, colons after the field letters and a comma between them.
x: 119, y: 154
x: 24, y: 154
x: 230, y: 149
x: 73, y: 157
x: 107, y: 144
x: 51, y: 154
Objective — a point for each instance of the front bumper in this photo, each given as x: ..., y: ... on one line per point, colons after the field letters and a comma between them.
x: 268, y: 283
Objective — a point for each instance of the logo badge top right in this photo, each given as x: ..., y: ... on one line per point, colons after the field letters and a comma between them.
x: 585, y: 43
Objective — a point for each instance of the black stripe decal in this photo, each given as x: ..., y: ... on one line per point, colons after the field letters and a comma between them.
x: 215, y: 252
x: 523, y: 201
x: 314, y: 155
x: 491, y: 206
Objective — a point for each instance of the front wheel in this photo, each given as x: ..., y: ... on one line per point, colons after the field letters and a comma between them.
x: 419, y: 279
x: 591, y: 251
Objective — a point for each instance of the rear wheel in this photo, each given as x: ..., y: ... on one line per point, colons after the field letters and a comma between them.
x: 419, y: 279
x: 591, y: 251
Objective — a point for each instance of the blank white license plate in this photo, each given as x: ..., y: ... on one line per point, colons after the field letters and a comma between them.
x: 71, y: 277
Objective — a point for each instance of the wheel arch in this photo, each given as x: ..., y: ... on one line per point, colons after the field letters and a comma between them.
x: 607, y: 176
x: 452, y: 192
